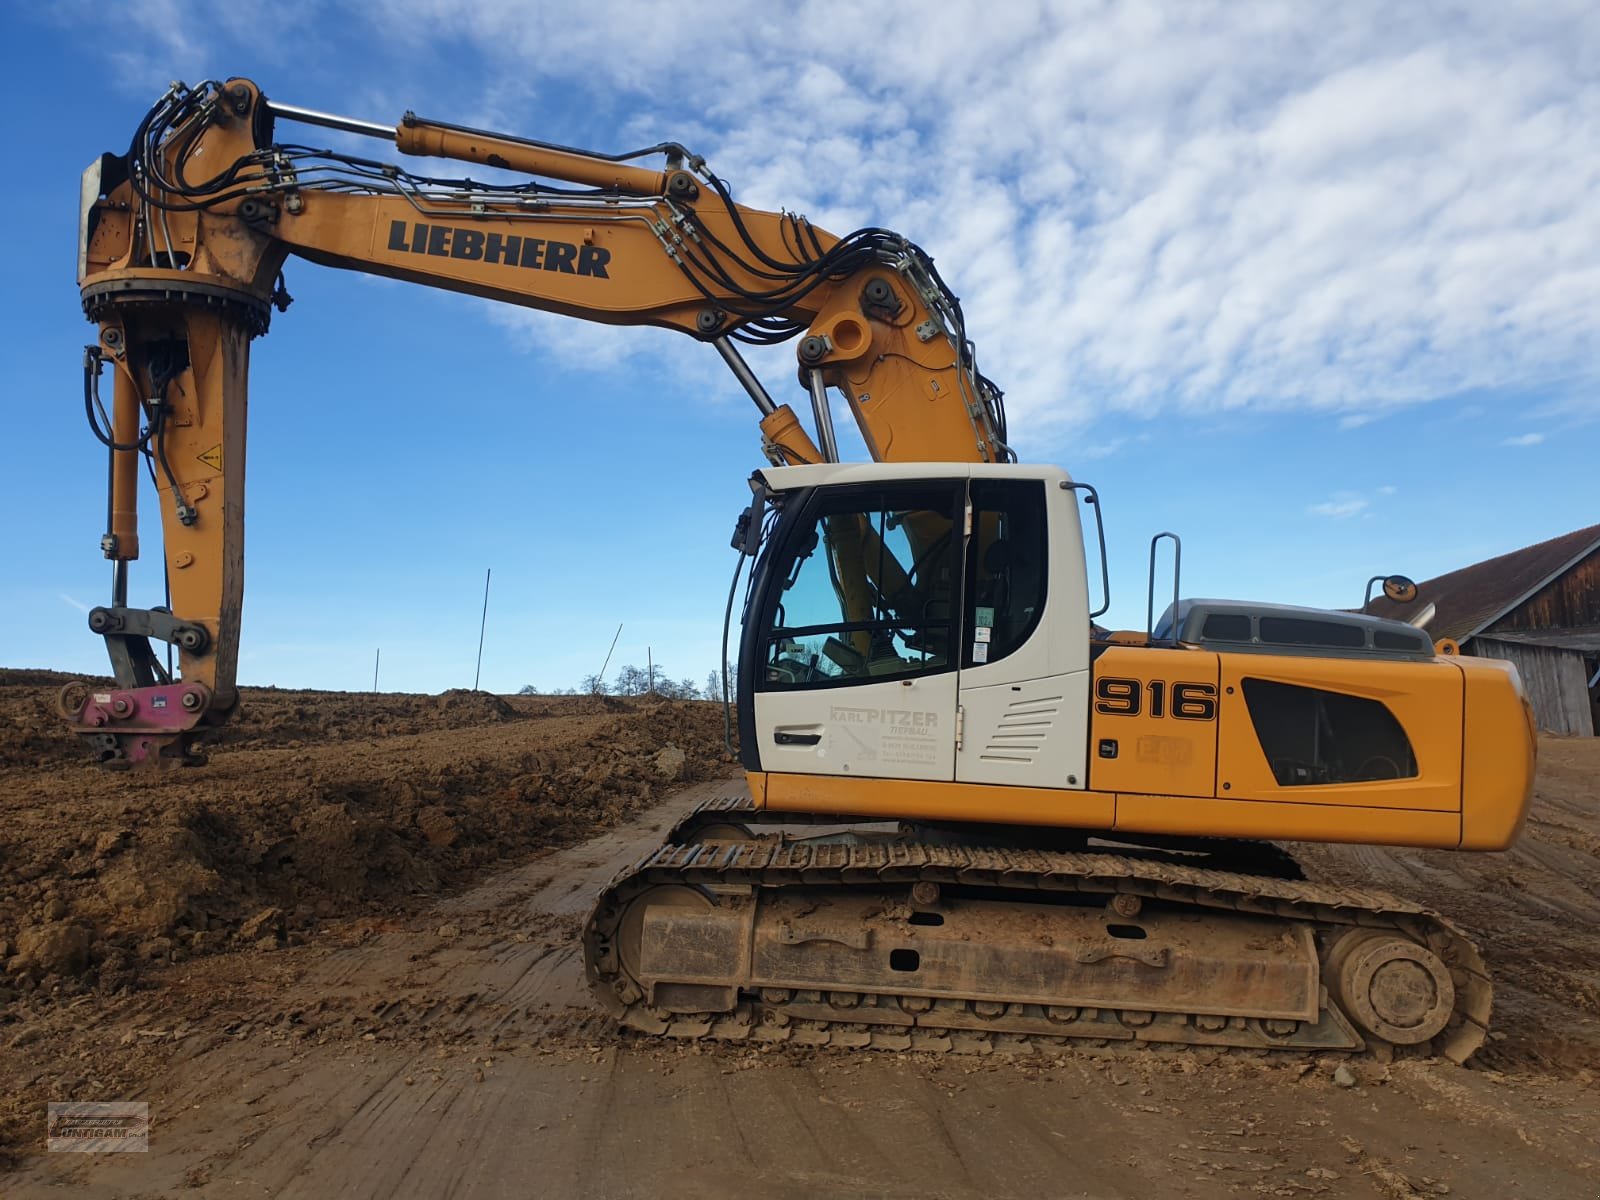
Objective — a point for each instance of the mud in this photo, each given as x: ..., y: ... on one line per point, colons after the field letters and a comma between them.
x: 317, y: 807
x: 427, y: 1030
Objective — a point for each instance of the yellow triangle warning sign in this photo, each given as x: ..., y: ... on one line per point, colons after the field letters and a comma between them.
x: 212, y: 457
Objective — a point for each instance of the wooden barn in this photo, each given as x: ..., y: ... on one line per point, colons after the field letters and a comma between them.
x: 1539, y: 608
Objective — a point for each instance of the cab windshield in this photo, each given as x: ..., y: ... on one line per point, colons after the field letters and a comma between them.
x: 869, y: 589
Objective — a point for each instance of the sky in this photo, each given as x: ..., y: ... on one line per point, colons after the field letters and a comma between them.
x: 1315, y: 286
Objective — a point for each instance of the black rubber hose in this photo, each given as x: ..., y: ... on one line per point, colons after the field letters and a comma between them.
x: 91, y: 401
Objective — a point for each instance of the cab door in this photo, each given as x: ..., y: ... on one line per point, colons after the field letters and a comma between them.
x: 1024, y: 693
x: 859, y: 634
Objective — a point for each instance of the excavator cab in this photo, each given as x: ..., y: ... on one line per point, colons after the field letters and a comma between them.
x: 926, y: 622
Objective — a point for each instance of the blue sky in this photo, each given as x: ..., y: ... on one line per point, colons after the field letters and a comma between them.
x: 1319, y: 290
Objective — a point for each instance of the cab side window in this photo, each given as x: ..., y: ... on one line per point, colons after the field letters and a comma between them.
x: 1006, y: 567
x: 869, y: 589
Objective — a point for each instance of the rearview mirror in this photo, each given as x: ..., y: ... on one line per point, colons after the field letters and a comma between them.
x: 1399, y: 589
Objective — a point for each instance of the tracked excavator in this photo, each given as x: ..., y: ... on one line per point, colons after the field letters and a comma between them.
x: 974, y: 820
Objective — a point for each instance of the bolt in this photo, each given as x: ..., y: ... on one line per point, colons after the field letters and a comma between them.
x: 925, y: 891
x: 1126, y: 905
x: 813, y: 348
x: 192, y: 701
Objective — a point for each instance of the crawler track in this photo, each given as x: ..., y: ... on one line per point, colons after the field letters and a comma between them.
x: 1352, y: 936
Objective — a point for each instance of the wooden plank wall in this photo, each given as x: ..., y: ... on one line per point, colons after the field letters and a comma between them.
x: 1571, y: 601
x: 1555, y: 681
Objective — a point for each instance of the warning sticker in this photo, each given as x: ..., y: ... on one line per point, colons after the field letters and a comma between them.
x: 212, y: 457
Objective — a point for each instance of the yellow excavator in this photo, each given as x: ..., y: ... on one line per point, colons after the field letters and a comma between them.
x: 974, y: 819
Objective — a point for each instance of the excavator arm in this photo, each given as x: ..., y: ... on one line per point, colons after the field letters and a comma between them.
x: 183, y: 242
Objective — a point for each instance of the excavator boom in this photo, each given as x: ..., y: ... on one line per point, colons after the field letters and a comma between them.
x: 184, y: 240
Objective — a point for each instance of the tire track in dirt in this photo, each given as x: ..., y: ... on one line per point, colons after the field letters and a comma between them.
x: 456, y: 1052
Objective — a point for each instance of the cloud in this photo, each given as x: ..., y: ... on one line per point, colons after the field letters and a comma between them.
x: 1341, y: 506
x: 1145, y: 208
x: 1149, y: 208
x: 74, y: 602
x: 1524, y: 439
x: 1095, y: 450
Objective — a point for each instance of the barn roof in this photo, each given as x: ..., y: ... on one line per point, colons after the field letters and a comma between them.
x: 1469, y: 600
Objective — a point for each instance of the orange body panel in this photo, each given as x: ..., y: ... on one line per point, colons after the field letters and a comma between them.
x: 1425, y: 697
x: 896, y: 800
x: 906, y: 799
x: 1274, y: 821
x: 1500, y: 742
x: 1132, y: 716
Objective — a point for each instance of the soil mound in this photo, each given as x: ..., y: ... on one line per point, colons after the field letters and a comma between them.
x: 316, y: 805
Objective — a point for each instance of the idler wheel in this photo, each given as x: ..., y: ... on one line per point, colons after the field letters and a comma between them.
x: 1392, y: 987
x: 630, y: 930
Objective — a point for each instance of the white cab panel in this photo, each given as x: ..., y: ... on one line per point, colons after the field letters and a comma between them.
x: 1030, y: 734
x: 1025, y: 717
x: 897, y: 729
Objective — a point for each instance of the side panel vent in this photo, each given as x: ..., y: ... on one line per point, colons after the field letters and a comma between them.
x: 1023, y: 729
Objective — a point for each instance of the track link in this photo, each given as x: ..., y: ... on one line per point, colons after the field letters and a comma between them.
x: 1366, y: 930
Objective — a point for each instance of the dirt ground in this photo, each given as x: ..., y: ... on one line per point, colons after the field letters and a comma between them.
x: 343, y: 960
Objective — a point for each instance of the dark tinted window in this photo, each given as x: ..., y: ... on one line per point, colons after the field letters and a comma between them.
x: 1006, y: 567
x: 1385, y: 639
x: 1300, y: 631
x: 1227, y: 627
x: 1312, y: 736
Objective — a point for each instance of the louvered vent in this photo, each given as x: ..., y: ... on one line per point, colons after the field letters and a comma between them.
x: 1022, y: 730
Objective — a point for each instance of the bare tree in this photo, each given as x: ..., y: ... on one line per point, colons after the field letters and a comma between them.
x: 631, y: 681
x: 714, y: 683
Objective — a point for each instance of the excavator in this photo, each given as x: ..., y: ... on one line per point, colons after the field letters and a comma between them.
x: 975, y: 820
